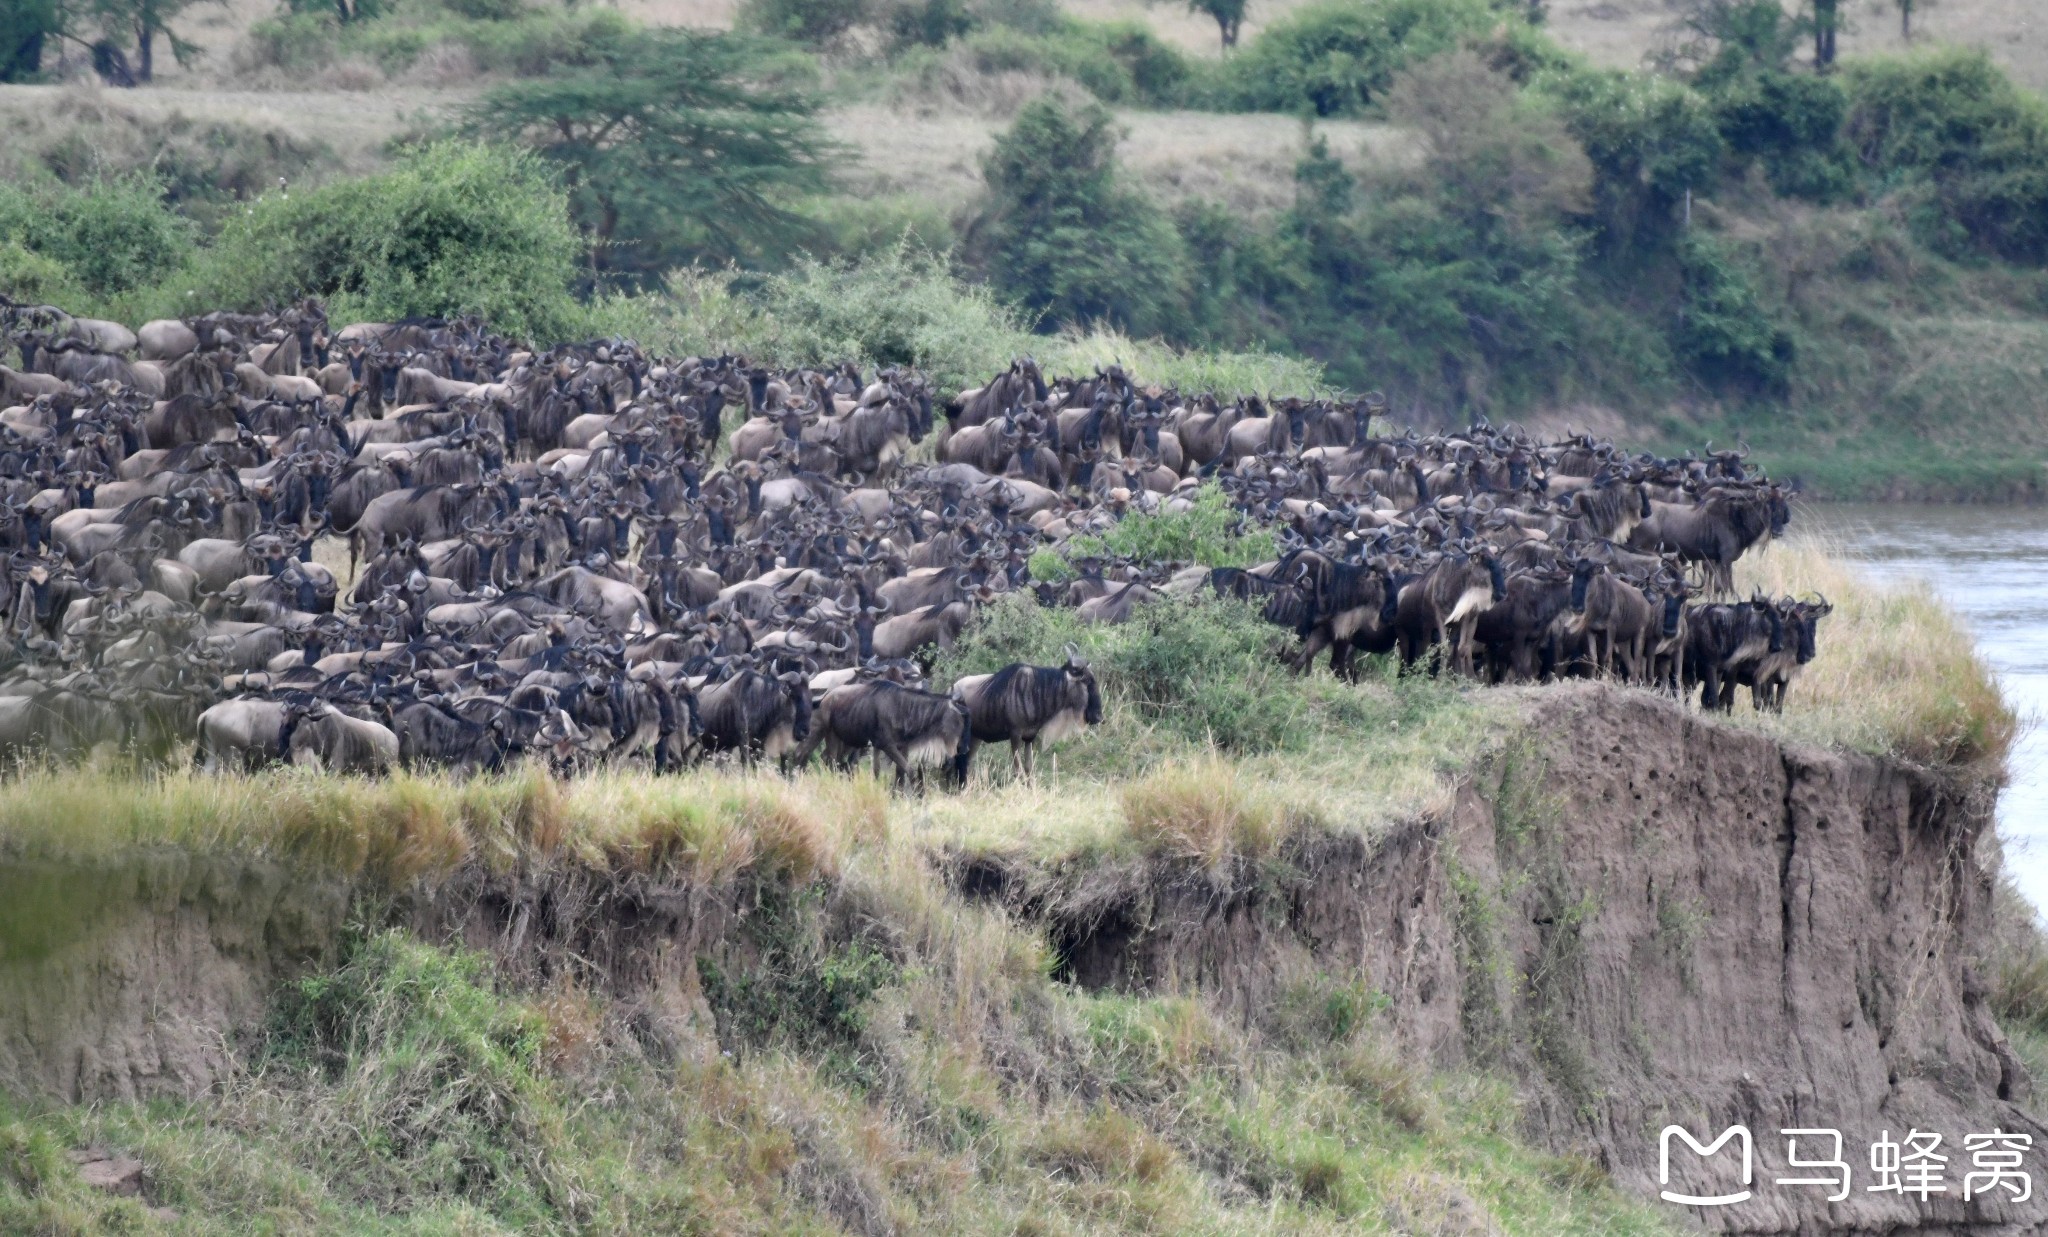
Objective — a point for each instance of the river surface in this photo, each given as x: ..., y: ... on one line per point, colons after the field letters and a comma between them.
x: 1991, y: 565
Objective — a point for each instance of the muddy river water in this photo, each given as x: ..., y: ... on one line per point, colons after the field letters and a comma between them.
x: 1991, y: 564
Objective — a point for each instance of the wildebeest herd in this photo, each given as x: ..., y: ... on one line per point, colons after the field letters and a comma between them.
x: 568, y: 553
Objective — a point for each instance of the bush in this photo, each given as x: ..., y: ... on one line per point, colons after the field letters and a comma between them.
x: 1338, y: 59
x: 814, y: 23
x: 1954, y: 127
x: 898, y: 307
x: 455, y: 228
x: 1791, y: 123
x: 1118, y: 62
x: 1211, y: 533
x: 1202, y: 671
x: 108, y: 237
x: 1650, y: 140
x: 1724, y: 330
x: 1059, y: 236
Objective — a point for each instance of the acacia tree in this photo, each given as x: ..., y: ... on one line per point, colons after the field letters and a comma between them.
x: 675, y: 145
x: 144, y: 21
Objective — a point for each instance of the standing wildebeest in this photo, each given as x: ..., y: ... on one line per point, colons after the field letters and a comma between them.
x: 1722, y: 643
x: 760, y: 716
x: 915, y: 729
x: 327, y: 738
x: 1029, y: 705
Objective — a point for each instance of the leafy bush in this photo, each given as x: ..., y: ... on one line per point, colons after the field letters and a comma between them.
x: 1953, y: 127
x: 814, y: 23
x: 1792, y: 124
x: 1059, y: 235
x: 898, y: 307
x: 1337, y: 59
x: 1650, y: 141
x: 1201, y: 671
x: 1724, y: 330
x: 927, y: 23
x: 1119, y: 62
x: 109, y: 236
x: 454, y: 228
x: 1211, y: 533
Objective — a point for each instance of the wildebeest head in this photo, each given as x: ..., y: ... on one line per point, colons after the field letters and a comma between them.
x: 1079, y: 675
x: 799, y: 693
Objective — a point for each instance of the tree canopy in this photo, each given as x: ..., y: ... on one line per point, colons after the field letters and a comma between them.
x: 675, y: 145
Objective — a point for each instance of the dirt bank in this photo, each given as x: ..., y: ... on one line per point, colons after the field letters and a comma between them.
x: 1648, y: 920
x: 1644, y: 918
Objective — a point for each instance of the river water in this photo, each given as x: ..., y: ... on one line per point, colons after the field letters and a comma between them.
x: 1991, y: 565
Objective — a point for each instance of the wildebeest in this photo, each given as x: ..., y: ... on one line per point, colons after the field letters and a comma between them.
x: 914, y: 730
x: 1025, y: 705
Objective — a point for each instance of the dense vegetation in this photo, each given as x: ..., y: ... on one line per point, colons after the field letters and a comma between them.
x: 1821, y: 262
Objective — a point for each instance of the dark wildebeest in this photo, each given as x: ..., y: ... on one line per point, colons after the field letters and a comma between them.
x: 915, y: 729
x: 430, y: 735
x: 758, y: 715
x: 1723, y: 641
x: 1770, y: 675
x: 1029, y: 705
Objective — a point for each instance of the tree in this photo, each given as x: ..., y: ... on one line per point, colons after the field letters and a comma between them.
x: 1827, y: 20
x: 1059, y: 235
x: 1906, y: 10
x: 1227, y: 14
x: 25, y: 26
x: 675, y: 145
x: 144, y: 21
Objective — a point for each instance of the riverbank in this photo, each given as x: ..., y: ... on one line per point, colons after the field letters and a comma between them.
x: 1408, y: 954
x: 811, y: 1005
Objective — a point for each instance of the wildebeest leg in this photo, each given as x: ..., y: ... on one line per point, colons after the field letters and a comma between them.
x: 1311, y: 646
x: 885, y: 747
x: 1341, y: 653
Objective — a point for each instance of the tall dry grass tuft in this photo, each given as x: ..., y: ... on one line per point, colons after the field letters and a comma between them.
x: 1200, y: 809
x: 1895, y: 671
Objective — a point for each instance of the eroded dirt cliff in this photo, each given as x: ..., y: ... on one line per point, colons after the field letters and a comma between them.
x: 1649, y: 919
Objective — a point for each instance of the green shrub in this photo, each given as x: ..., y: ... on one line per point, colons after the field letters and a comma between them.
x: 1336, y: 59
x: 1952, y: 127
x: 1791, y: 123
x: 814, y: 23
x: 1202, y: 671
x: 109, y: 236
x: 1650, y: 141
x: 1119, y: 62
x: 1724, y: 329
x: 1211, y: 533
x: 1059, y: 235
x: 900, y: 306
x: 454, y: 228
x: 927, y: 23
x: 26, y: 28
